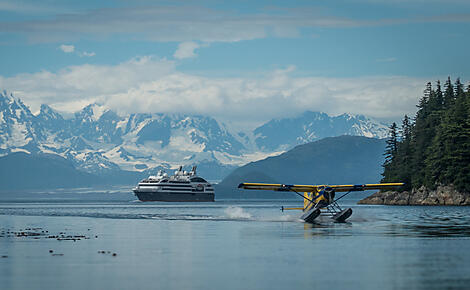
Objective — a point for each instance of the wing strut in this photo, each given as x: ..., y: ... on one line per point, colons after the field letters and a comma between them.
x: 303, y: 196
x: 342, y: 196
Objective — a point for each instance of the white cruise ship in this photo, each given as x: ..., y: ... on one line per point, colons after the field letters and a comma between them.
x: 182, y: 186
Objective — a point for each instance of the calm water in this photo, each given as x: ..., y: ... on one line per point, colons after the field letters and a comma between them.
x: 230, y: 245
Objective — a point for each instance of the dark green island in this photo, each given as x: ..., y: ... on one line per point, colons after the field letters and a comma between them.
x: 430, y: 153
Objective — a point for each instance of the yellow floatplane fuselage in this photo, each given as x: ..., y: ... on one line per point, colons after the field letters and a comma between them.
x: 318, y: 197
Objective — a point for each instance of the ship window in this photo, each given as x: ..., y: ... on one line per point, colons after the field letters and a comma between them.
x: 197, y: 179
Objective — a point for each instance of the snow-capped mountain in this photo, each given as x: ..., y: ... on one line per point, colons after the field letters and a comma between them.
x: 98, y: 140
x: 19, y: 129
x: 284, y: 134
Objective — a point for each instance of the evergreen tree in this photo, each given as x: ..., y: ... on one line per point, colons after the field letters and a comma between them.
x: 448, y: 93
x: 406, y: 129
x: 390, y: 163
x: 439, y: 94
x: 458, y: 87
x: 392, y: 141
x: 435, y: 149
x: 404, y: 154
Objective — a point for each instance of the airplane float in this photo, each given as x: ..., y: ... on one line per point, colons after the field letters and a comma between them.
x: 320, y: 199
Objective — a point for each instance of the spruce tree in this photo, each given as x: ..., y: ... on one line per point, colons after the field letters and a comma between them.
x: 406, y: 129
x: 390, y: 164
x: 448, y: 93
x: 458, y: 89
x: 439, y: 94
x: 392, y: 141
x: 404, y: 153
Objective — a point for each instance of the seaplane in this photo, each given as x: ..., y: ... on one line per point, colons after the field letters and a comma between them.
x: 320, y: 199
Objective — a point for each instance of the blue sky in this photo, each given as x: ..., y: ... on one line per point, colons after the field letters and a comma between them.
x: 209, y: 57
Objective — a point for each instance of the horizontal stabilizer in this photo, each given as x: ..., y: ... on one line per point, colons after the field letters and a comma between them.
x: 291, y: 208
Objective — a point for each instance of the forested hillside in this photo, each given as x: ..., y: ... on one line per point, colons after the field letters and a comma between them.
x: 433, y: 149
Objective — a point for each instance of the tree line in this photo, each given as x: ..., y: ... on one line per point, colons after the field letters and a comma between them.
x: 433, y: 148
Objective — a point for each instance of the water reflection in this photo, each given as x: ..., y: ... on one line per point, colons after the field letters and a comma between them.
x: 430, y: 230
x: 434, y: 222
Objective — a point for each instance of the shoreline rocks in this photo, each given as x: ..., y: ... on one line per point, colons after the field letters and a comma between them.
x: 442, y: 195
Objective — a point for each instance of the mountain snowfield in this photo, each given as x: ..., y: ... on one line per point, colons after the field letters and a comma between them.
x: 99, y: 141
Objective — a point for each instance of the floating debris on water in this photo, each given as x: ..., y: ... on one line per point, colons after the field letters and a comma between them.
x: 107, y: 252
x: 39, y: 233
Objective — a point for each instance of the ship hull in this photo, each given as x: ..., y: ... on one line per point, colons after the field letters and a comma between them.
x: 175, y: 196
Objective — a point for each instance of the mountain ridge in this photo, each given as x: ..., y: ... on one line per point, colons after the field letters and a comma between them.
x: 332, y: 160
x: 99, y: 141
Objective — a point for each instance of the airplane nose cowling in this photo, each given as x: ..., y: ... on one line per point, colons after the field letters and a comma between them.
x: 329, y: 194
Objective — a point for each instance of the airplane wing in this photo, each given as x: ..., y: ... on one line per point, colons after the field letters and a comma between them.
x: 310, y: 188
x: 362, y: 187
x: 278, y: 187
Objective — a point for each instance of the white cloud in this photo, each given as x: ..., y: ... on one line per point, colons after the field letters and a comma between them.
x: 147, y: 84
x: 87, y: 54
x: 67, y: 48
x: 186, y: 50
x: 69, y: 88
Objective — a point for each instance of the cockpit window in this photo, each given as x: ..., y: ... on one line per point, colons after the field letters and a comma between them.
x: 197, y: 179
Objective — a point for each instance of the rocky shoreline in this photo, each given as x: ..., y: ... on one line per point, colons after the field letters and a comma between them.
x: 442, y: 195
